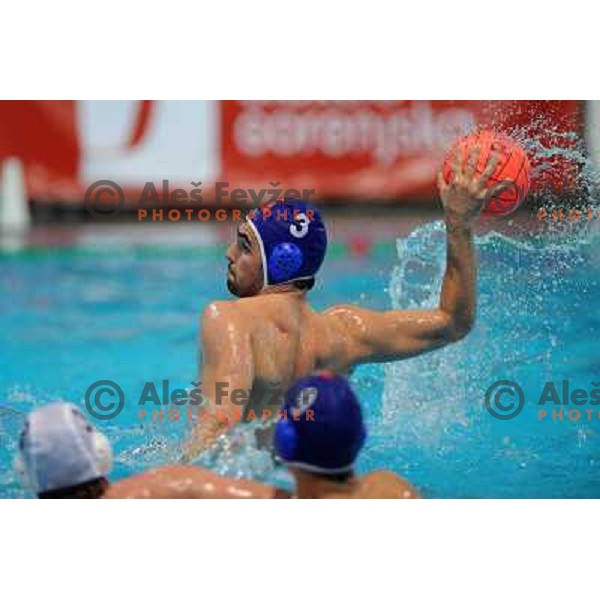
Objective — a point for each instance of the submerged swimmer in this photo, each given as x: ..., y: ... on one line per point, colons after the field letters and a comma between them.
x: 61, y: 455
x: 254, y: 347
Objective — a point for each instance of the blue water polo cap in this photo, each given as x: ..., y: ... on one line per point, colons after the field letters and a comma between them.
x: 328, y: 439
x: 292, y: 239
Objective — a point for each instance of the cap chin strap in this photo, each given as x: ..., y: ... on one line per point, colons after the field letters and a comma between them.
x: 263, y: 256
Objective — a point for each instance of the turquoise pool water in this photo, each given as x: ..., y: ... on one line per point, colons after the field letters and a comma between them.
x: 76, y: 314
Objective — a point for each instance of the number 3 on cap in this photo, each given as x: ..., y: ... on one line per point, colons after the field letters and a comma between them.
x: 300, y: 228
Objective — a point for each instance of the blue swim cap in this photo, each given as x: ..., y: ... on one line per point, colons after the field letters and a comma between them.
x: 292, y: 239
x: 330, y: 441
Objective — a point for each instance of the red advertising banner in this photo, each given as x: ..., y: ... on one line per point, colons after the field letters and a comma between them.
x: 358, y: 151
x: 379, y: 149
x: 43, y: 134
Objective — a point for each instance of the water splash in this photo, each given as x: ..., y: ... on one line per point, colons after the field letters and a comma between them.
x: 237, y: 454
x: 19, y: 401
x: 525, y: 290
x: 563, y: 173
x: 432, y: 402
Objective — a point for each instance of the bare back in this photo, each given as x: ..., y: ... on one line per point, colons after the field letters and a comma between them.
x: 287, y: 339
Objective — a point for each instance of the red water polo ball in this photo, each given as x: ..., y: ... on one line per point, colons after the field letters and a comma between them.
x: 511, y: 178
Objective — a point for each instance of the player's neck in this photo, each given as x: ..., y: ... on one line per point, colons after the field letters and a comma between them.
x: 283, y: 288
x: 310, y: 487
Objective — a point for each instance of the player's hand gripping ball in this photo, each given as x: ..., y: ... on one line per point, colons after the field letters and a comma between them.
x: 509, y: 184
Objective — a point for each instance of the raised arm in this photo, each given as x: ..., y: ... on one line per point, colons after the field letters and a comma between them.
x: 370, y: 336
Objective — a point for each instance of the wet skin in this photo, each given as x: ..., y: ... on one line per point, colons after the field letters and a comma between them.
x: 267, y: 338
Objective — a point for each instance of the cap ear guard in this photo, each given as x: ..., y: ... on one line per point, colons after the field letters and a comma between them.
x: 104, y: 453
x: 286, y: 440
x: 285, y: 261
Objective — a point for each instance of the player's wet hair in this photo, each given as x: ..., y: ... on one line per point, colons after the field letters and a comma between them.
x: 305, y: 285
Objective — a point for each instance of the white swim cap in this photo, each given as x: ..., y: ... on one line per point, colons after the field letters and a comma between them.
x: 59, y: 448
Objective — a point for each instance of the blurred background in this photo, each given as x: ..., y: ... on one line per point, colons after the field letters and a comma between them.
x: 353, y: 154
x: 91, y: 291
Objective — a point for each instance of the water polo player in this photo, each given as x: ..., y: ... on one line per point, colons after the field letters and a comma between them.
x: 270, y: 336
x: 61, y: 455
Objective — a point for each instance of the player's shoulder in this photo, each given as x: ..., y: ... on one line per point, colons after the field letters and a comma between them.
x: 167, y: 481
x: 217, y: 318
x: 218, y: 308
x: 386, y: 484
x: 338, y: 310
x: 139, y: 485
x: 336, y: 327
x: 220, y: 311
x: 243, y: 313
x: 346, y: 323
x: 345, y: 315
x: 215, y: 309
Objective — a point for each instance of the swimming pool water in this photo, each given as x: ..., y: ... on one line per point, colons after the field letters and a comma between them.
x: 74, y: 315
